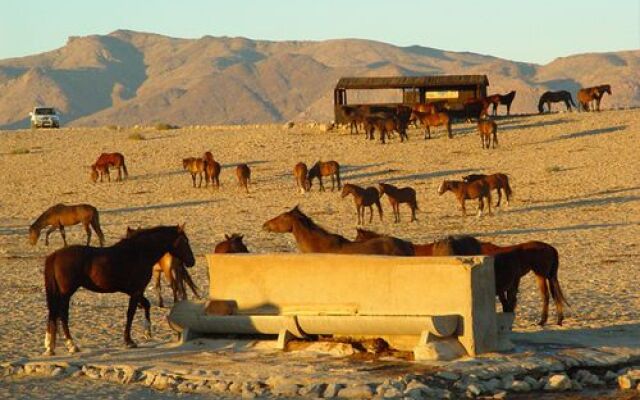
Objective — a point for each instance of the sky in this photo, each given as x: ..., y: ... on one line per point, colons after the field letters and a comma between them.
x: 521, y: 30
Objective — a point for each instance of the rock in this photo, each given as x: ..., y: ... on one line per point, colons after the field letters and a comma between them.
x: 610, y: 376
x: 332, y: 390
x: 626, y: 382
x: 356, y: 391
x: 474, y: 388
x: 285, y: 389
x: 587, y: 378
x: 235, y: 387
x: 392, y: 393
x: 500, y: 395
x: 315, y: 389
x: 289, y: 125
x: 334, y: 349
x: 492, y: 385
x: 448, y: 375
x: 417, y: 390
x: 533, y: 383
x: 521, y: 386
x: 558, y: 382
x: 325, y: 127
x: 440, y: 350
x: 507, y: 382
x: 220, y: 386
x: 57, y: 371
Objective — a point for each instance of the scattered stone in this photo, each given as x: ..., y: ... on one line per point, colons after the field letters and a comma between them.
x: 610, y: 376
x: 500, y: 395
x: 587, y: 378
x: 57, y: 371
x: 289, y: 125
x: 285, y: 389
x: 417, y: 390
x: 315, y: 389
x: 326, y: 127
x: 220, y: 386
x: 391, y: 393
x: 492, y: 385
x: 332, y: 390
x: 440, y: 350
x: 507, y: 382
x: 626, y: 382
x: 357, y: 391
x: 558, y: 382
x: 533, y: 383
x: 474, y: 389
x: 520, y: 386
x: 448, y: 375
x: 235, y: 387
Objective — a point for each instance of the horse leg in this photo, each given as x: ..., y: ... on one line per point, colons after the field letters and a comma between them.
x: 88, y: 230
x: 379, y: 206
x: 489, y: 201
x: 544, y: 291
x: 147, y: 317
x: 95, y: 224
x: 321, y: 184
x: 131, y: 312
x: 499, y: 197
x: 157, y: 285
x: 464, y: 209
x: 333, y: 183
x: 370, y: 213
x: 480, y: 206
x: 52, y: 327
x: 63, y: 234
x: 193, y: 178
x: 64, y: 318
x: 495, y: 139
x: 200, y: 183
x: 49, y: 231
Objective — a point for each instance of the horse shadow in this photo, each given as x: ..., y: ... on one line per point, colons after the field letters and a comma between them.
x: 155, y: 175
x: 347, y: 171
x: 579, y: 203
x: 514, y: 126
x: 249, y: 163
x: 581, y: 134
x: 124, y: 210
x: 431, y: 175
x: 568, y: 228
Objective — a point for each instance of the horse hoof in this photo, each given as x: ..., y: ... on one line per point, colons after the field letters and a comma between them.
x: 131, y: 345
x: 49, y: 353
x: 74, y: 349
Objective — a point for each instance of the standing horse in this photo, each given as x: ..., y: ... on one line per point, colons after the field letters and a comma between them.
x: 363, y: 198
x: 125, y: 267
x: 61, y: 215
x: 355, y: 115
x: 555, y: 97
x: 385, y: 124
x: 300, y: 174
x: 586, y: 96
x: 398, y: 196
x: 231, y: 244
x: 488, y: 129
x: 429, y: 120
x: 211, y: 170
x: 419, y: 250
x: 465, y: 191
x: 243, y: 173
x: 325, y: 168
x: 504, y: 99
x: 312, y: 238
x: 499, y: 182
x: 195, y: 166
x: 106, y: 161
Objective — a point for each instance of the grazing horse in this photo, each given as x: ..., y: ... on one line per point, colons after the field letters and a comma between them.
x: 465, y: 191
x: 398, y: 196
x: 125, y: 267
x: 195, y: 166
x: 231, y: 244
x: 363, y: 198
x: 106, y: 161
x: 429, y: 120
x: 499, y: 182
x: 312, y: 238
x: 488, y: 129
x: 504, y: 99
x: 211, y: 170
x: 587, y: 95
x: 61, y: 215
x: 539, y: 257
x: 243, y: 173
x: 325, y: 168
x: 300, y: 174
x: 555, y: 97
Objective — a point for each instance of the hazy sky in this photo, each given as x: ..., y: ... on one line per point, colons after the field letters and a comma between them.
x: 535, y: 31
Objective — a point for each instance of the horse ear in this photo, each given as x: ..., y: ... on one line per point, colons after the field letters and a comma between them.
x: 227, y: 237
x: 240, y: 237
x: 181, y: 227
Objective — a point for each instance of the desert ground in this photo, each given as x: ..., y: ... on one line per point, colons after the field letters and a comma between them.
x: 574, y: 175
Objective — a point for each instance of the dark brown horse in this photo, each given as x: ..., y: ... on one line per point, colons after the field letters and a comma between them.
x: 386, y: 125
x: 243, y: 173
x: 231, y: 244
x: 355, y: 115
x: 428, y: 120
x: 467, y: 191
x: 456, y: 246
x: 476, y: 108
x: 499, y: 182
x: 125, y: 267
x: 488, y: 130
x: 398, y: 196
x: 419, y: 250
x: 106, y: 161
x: 555, y: 97
x: 363, y: 198
x: 325, y: 168
x: 300, y: 174
x: 504, y: 99
x: 195, y: 166
x: 312, y: 238
x: 211, y: 170
x: 592, y: 94
x: 61, y: 215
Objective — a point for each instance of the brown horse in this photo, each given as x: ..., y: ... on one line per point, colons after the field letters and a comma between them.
x: 488, y: 129
x: 325, y: 168
x: 243, y: 173
x: 312, y: 238
x: 456, y: 246
x: 504, y: 99
x: 106, y: 161
x: 476, y: 108
x: 542, y: 259
x: 363, y: 198
x: 385, y: 124
x: 61, y: 215
x: 300, y: 174
x: 555, y: 97
x: 125, y: 267
x: 398, y: 196
x: 231, y: 244
x: 419, y: 250
x: 355, y: 115
x: 465, y: 191
x: 429, y: 120
x: 195, y: 166
x: 588, y: 95
x: 211, y: 170
x: 499, y: 182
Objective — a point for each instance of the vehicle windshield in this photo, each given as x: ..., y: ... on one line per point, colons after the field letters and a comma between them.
x: 45, y: 111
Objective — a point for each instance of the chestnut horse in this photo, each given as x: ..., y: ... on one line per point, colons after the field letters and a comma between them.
x: 488, y: 129
x: 587, y: 95
x: 243, y: 173
x: 398, y: 196
x: 312, y: 238
x: 300, y: 174
x: 125, y: 267
x: 231, y: 244
x: 429, y: 120
x: 504, y: 99
x: 195, y: 166
x: 555, y: 97
x: 61, y: 215
x: 211, y: 170
x: 325, y: 168
x: 106, y: 161
x: 499, y: 182
x: 363, y: 198
x: 466, y: 191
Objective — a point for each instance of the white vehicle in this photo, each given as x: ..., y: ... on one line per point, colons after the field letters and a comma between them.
x: 44, y: 117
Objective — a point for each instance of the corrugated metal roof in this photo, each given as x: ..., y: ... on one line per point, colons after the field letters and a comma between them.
x: 399, y: 82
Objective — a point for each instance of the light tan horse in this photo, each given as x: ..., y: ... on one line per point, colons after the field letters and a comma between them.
x: 243, y: 173
x: 195, y: 166
x: 300, y: 174
x: 465, y: 191
x: 398, y: 196
x: 488, y: 129
x: 363, y: 198
x: 61, y: 215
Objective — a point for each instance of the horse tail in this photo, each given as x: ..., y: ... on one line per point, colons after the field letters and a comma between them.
x: 124, y: 169
x: 571, y: 100
x: 190, y: 283
x: 554, y: 284
x: 95, y: 223
x: 507, y: 188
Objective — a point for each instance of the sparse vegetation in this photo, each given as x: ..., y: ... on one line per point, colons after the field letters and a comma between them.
x: 20, y: 150
x: 137, y: 136
x: 113, y: 127
x: 553, y: 168
x: 163, y: 126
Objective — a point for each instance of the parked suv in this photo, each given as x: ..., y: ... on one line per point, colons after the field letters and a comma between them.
x: 44, y: 117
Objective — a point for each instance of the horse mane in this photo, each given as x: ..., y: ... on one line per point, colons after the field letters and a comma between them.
x: 135, y: 235
x: 37, y: 224
x: 308, y: 223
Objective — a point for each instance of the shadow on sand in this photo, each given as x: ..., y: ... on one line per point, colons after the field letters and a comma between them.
x: 156, y: 206
x: 578, y: 227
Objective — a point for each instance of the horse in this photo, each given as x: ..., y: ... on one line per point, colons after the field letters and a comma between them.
x: 355, y: 115
x: 398, y: 196
x: 231, y: 244
x: 488, y: 128
x: 419, y: 250
x: 300, y: 174
x: 107, y: 160
x: 61, y: 215
x: 125, y: 267
x: 555, y: 97
x: 100, y: 171
x: 456, y: 246
x: 499, y: 182
x: 587, y: 95
x: 385, y: 124
x: 464, y: 191
x: 243, y: 173
x: 312, y: 238
x: 211, y: 170
x: 429, y: 120
x: 363, y: 198
x: 504, y: 99
x: 325, y: 168
x: 195, y: 166
x: 476, y: 108
x: 542, y: 259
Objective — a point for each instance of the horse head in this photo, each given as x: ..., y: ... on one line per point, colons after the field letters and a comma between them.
x: 347, y: 189
x: 444, y: 186
x: 282, y: 223
x: 235, y: 243
x: 34, y: 235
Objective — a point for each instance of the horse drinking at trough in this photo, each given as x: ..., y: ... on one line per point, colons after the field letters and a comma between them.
x: 300, y: 174
x: 398, y: 196
x: 488, y: 130
x: 499, y: 182
x: 61, y: 215
x: 555, y: 97
x: 106, y: 161
x: 195, y: 166
x: 125, y: 267
x: 325, y: 168
x: 231, y: 244
x: 466, y: 191
x: 363, y: 198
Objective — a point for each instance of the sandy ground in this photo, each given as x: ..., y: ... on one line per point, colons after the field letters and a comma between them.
x: 574, y: 176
